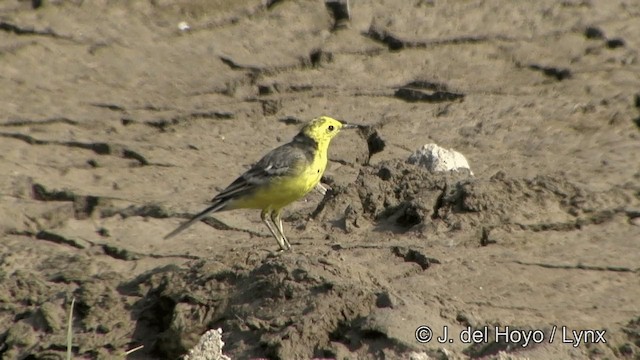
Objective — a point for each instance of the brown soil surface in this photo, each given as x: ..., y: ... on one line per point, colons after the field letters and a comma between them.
x: 116, y: 126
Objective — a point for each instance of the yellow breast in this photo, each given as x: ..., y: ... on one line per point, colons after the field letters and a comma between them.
x: 286, y: 190
x: 316, y: 170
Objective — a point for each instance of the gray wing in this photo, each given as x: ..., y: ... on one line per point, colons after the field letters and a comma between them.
x: 281, y: 161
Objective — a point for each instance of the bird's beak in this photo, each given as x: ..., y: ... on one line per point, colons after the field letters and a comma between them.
x: 351, y: 126
x: 345, y: 125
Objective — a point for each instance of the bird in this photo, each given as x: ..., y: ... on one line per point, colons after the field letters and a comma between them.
x: 282, y: 176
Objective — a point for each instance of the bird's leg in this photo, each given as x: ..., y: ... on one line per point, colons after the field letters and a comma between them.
x: 321, y: 189
x: 272, y: 228
x: 277, y: 220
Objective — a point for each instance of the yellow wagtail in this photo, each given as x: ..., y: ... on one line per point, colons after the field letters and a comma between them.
x: 281, y: 177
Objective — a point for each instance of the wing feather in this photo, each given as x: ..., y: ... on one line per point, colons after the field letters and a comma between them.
x: 281, y: 161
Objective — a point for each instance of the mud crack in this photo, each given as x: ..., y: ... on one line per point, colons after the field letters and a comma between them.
x: 54, y: 238
x: 23, y: 30
x: 579, y: 267
x: 57, y: 120
x: 163, y: 124
x: 425, y: 91
x: 415, y: 256
x: 554, y: 72
x: 99, y: 148
x: 83, y: 205
x: 394, y: 42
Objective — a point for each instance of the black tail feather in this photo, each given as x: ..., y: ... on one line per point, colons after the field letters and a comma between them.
x: 196, y: 218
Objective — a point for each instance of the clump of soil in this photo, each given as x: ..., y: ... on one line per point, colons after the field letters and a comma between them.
x: 284, y: 306
x: 399, y: 196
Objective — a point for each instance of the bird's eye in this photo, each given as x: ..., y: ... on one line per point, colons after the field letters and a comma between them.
x: 330, y: 127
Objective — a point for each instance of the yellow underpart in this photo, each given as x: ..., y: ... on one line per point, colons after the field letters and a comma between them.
x: 283, y: 191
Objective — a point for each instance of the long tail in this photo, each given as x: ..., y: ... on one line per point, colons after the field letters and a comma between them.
x: 213, y: 208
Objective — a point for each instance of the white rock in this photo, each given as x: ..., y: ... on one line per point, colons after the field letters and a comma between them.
x: 418, y: 356
x: 438, y: 159
x: 209, y: 347
x: 184, y: 26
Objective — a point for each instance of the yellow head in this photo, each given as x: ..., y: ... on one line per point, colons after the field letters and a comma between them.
x: 324, y: 128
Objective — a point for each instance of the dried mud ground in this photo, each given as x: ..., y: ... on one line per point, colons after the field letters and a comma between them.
x: 116, y: 125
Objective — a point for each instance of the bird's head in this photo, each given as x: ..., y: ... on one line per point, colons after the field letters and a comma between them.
x: 324, y: 128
